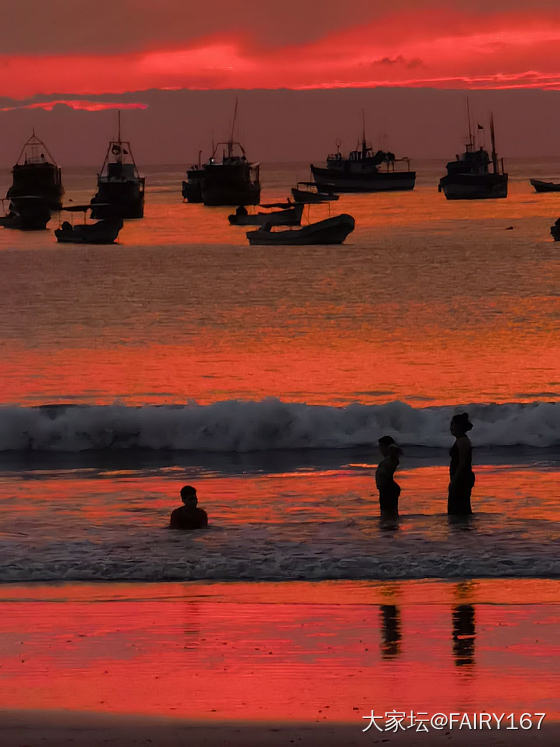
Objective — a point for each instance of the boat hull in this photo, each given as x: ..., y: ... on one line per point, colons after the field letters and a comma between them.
x: 215, y: 194
x: 329, y: 231
x: 555, y: 232
x: 335, y: 180
x: 474, y: 186
x: 27, y: 214
x: 41, y: 180
x: 192, y: 190
x: 541, y: 186
x: 121, y: 199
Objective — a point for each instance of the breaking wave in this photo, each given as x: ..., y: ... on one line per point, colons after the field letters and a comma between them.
x: 242, y: 426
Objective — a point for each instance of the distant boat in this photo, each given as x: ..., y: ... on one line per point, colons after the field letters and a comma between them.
x: 469, y: 177
x: 120, y: 188
x: 103, y: 231
x: 233, y: 180
x: 36, y: 188
x: 544, y: 186
x: 329, y: 231
x: 364, y: 170
x: 309, y: 193
x: 289, y: 215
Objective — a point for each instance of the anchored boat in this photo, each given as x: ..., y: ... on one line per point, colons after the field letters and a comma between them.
x: 120, y: 188
x: 288, y: 215
x: 330, y: 231
x: 104, y: 231
x: 474, y: 175
x: 36, y: 188
x: 364, y: 170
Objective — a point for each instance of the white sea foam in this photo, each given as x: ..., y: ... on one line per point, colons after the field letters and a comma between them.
x: 240, y: 426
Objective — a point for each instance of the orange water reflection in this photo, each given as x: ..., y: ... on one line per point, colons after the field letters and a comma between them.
x: 429, y: 301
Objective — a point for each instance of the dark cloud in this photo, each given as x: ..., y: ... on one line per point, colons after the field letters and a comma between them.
x: 61, y: 27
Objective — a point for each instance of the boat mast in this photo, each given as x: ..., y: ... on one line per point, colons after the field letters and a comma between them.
x: 364, y: 147
x: 119, y: 142
x: 494, y: 154
x: 230, y: 141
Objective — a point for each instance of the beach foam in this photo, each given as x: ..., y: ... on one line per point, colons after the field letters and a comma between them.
x: 241, y: 426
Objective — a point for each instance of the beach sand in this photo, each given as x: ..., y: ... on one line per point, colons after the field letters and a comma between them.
x: 51, y: 728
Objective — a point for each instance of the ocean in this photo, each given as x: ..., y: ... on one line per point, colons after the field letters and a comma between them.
x: 265, y: 375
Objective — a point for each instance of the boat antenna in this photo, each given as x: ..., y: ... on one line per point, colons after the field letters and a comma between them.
x: 119, y: 125
x: 493, y: 139
x: 230, y: 142
x: 469, y: 122
x: 363, y: 133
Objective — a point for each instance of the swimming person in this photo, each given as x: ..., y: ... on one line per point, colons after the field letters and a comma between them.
x: 460, y: 468
x: 188, y: 516
x: 389, y: 490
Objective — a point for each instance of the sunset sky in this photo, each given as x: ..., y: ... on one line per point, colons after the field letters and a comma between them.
x: 70, y: 53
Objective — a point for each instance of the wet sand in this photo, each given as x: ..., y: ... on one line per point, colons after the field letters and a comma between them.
x: 268, y: 663
x: 53, y: 728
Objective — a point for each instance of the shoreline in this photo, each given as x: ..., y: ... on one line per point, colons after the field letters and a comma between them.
x: 54, y: 728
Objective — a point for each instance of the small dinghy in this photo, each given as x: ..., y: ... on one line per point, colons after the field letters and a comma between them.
x: 103, y: 231
x: 289, y: 215
x: 330, y: 231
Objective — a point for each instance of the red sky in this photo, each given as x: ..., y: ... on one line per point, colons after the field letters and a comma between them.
x: 177, y: 65
x: 74, y: 47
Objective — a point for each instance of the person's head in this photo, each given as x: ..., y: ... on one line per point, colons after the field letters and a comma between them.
x: 188, y: 496
x: 460, y: 424
x: 387, y: 445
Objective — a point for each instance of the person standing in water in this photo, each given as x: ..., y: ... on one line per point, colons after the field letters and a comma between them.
x: 460, y: 469
x: 389, y: 490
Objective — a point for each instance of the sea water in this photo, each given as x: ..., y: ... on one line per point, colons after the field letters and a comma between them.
x: 265, y: 375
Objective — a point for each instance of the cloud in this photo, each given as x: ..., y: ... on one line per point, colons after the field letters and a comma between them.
x: 135, y: 44
x: 76, y: 104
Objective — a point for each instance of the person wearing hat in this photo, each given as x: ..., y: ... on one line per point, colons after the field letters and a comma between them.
x: 460, y: 469
x: 188, y: 516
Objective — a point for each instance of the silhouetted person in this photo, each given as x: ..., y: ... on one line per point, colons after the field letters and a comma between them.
x: 460, y: 469
x: 188, y: 516
x: 390, y: 631
x: 464, y: 632
x: 241, y: 210
x: 389, y: 491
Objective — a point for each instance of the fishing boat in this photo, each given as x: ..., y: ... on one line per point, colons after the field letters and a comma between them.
x: 309, y: 193
x: 288, y: 215
x: 470, y: 177
x: 36, y: 188
x: 364, y: 170
x: 120, y: 188
x: 330, y: 231
x: 104, y: 231
x: 233, y: 180
x: 545, y: 186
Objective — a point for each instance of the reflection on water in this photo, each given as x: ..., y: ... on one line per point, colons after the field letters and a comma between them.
x: 390, y: 631
x: 198, y: 652
x: 325, y: 325
x: 464, y: 633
